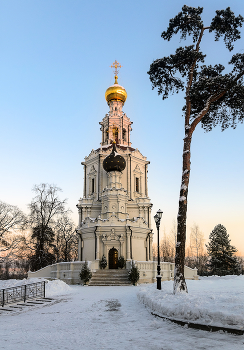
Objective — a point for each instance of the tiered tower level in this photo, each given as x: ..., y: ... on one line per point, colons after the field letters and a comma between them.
x: 115, y: 211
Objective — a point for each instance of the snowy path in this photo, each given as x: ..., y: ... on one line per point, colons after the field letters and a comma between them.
x: 90, y: 318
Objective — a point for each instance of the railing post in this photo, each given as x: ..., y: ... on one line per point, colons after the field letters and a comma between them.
x: 3, y: 299
x: 24, y: 293
x: 44, y: 289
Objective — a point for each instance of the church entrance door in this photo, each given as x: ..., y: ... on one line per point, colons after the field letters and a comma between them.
x: 113, y: 258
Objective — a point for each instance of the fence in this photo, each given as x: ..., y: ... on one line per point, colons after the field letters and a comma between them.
x: 22, y: 293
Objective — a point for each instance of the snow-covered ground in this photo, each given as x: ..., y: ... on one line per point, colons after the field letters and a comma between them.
x: 89, y: 318
x: 215, y: 301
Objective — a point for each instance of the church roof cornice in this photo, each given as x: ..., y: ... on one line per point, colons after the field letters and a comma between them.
x: 121, y: 147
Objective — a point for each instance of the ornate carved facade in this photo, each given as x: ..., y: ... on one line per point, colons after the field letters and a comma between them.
x: 115, y: 211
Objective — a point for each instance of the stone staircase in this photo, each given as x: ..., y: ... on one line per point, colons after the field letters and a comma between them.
x: 110, y: 278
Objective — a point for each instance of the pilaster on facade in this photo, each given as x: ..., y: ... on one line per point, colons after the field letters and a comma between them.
x: 97, y: 246
x: 128, y: 243
x: 150, y: 245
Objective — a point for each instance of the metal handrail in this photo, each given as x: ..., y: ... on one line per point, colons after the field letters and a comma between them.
x: 22, y: 293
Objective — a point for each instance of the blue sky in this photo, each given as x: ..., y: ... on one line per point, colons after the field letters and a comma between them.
x: 54, y: 70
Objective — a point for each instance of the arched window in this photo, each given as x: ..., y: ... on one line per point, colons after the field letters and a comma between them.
x: 92, y: 176
x: 93, y: 186
x: 115, y: 133
x: 138, y: 181
x: 124, y: 135
x: 137, y: 185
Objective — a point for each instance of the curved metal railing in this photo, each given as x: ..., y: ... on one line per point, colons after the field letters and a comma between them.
x: 22, y: 293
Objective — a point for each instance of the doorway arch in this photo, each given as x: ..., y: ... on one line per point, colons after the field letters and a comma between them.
x: 113, y: 258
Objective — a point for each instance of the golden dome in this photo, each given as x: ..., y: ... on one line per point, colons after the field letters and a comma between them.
x: 116, y: 92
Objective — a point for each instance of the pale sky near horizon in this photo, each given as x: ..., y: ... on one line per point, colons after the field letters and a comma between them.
x: 54, y: 70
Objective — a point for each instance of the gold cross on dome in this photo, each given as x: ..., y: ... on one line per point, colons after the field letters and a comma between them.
x: 116, y: 65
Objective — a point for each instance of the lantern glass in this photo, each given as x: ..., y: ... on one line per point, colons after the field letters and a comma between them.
x: 156, y: 218
x: 160, y: 213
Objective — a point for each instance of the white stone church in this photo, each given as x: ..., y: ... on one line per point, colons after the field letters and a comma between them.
x: 115, y: 210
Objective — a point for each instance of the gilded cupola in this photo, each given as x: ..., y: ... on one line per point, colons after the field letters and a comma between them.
x: 116, y: 92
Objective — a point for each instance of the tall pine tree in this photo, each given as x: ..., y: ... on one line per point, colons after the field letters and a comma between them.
x: 213, y: 95
x: 222, y: 262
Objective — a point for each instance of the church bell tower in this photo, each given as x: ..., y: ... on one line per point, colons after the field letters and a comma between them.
x: 115, y: 211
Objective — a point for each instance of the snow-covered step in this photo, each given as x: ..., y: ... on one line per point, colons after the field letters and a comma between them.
x: 110, y: 278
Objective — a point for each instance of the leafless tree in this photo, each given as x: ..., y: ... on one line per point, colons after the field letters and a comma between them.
x: 9, y: 246
x: 196, y: 255
x: 65, y: 239
x: 13, y: 222
x: 167, y: 246
x: 11, y: 219
x: 45, y: 209
x: 46, y: 205
x: 196, y: 242
x: 13, y: 255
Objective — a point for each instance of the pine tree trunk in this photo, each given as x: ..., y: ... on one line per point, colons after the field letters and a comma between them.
x: 179, y: 278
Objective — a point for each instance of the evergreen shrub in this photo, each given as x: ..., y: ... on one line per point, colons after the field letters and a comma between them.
x: 103, y: 263
x: 134, y: 274
x: 85, y: 274
x: 121, y: 262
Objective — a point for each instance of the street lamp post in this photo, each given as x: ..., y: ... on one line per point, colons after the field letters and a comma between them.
x: 157, y: 219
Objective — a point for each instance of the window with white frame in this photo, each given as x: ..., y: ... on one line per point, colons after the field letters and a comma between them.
x: 137, y: 180
x: 92, y: 176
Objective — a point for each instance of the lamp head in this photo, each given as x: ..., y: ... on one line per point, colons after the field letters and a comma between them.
x: 159, y: 213
x: 156, y: 217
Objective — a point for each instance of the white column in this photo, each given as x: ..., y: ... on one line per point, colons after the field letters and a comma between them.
x: 149, y: 217
x: 140, y: 184
x: 150, y: 247
x: 148, y: 240
x: 79, y: 249
x: 98, y: 246
x: 79, y: 212
x: 146, y: 191
x: 58, y: 271
x: 128, y: 245
x: 103, y: 247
